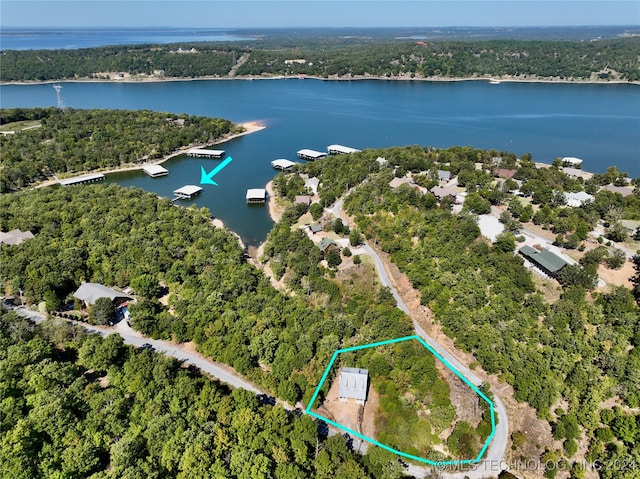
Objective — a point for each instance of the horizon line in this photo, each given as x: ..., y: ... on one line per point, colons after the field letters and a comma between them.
x: 330, y: 27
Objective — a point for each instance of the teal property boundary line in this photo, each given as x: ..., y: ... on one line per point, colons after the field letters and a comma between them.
x: 384, y: 446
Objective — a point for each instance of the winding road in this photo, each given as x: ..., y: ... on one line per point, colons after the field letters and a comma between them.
x: 490, y: 466
x: 493, y: 463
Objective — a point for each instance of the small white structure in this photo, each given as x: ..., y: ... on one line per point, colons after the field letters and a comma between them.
x: 354, y: 384
x: 381, y: 161
x: 576, y: 200
x: 256, y: 195
x: 90, y: 178
x: 204, y: 153
x: 341, y: 150
x: 444, y: 175
x: 307, y: 154
x: 15, y: 237
x: 187, y: 192
x: 571, y: 161
x: 155, y: 170
x: 282, y: 164
x: 312, y: 184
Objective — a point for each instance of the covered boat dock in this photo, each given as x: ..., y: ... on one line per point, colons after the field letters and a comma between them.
x: 204, y: 153
x: 282, y: 164
x: 256, y: 195
x: 155, y: 170
x: 90, y: 178
x: 186, y: 192
x: 307, y: 154
x: 341, y: 150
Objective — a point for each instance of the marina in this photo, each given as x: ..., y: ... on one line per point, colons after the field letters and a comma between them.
x: 205, y: 153
x: 154, y: 171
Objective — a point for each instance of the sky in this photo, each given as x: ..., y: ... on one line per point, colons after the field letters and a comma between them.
x: 316, y: 13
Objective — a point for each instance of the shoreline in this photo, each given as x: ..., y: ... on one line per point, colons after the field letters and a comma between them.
x: 151, y: 79
x: 249, y: 127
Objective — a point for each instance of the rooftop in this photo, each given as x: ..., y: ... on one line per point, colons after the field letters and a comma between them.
x: 188, y: 190
x: 82, y: 179
x: 353, y: 383
x: 256, y: 194
x: 15, y: 237
x: 545, y: 258
x: 90, y: 292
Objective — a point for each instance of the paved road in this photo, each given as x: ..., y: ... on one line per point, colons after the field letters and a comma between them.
x: 492, y: 464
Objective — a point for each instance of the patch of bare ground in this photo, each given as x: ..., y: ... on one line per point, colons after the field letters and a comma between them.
x: 275, y: 204
x: 465, y: 401
x: 549, y: 288
x: 522, y: 417
x: 345, y: 414
x: 617, y: 277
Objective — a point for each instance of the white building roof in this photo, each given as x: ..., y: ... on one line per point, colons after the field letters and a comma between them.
x: 353, y: 383
x: 155, y: 170
x: 256, y: 193
x: 311, y: 153
x: 312, y: 184
x: 188, y: 190
x: 577, y: 199
x: 82, y: 179
x: 571, y: 160
x: 15, y: 237
x: 204, y: 151
x: 90, y: 292
x: 339, y: 149
x: 282, y: 164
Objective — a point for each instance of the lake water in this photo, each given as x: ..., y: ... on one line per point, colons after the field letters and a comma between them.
x: 598, y: 123
x: 73, y: 38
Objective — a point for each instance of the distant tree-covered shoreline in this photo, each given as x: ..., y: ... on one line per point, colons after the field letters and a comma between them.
x: 603, y: 60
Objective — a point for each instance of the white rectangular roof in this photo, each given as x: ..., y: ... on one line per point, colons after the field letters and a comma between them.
x: 206, y: 152
x: 256, y: 193
x: 341, y: 149
x: 189, y: 190
x: 81, y: 179
x: 311, y: 153
x: 282, y: 164
x: 353, y: 383
x: 153, y: 170
x: 572, y: 160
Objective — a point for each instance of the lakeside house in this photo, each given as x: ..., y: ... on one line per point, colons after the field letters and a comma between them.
x: 575, y: 200
x: 89, y: 293
x: 326, y: 245
x: 443, y: 192
x: 353, y: 386
x: 622, y: 190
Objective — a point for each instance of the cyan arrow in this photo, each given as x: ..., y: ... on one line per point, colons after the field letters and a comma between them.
x: 207, y: 178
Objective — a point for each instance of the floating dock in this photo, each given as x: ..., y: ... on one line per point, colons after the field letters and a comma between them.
x: 341, y: 150
x: 311, y: 154
x: 282, y: 164
x: 256, y: 195
x: 155, y: 170
x: 204, y: 153
x: 187, y: 192
x: 91, y: 178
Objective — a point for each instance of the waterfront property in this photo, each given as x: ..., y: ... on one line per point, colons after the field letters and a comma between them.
x: 204, y: 153
x: 155, y: 171
x: 186, y: 192
x: 353, y: 385
x: 550, y: 263
x: 572, y: 162
x: 256, y: 195
x: 282, y: 164
x: 77, y: 180
x: 311, y: 155
x: 576, y: 200
x: 341, y: 150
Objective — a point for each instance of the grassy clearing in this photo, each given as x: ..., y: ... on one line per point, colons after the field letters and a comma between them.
x: 20, y: 125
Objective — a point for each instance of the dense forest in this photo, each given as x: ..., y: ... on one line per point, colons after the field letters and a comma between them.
x: 76, y: 141
x: 578, y: 350
x: 604, y: 60
x: 76, y: 405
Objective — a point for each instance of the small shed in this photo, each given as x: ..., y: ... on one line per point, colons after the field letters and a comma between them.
x: 256, y: 195
x: 353, y: 386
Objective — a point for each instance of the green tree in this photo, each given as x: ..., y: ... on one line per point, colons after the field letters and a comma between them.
x: 102, y: 312
x: 333, y: 258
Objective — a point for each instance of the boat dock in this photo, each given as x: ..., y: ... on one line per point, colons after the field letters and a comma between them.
x: 90, y: 178
x: 204, y: 153
x: 155, y: 170
x: 341, y: 150
x: 256, y: 195
x: 282, y: 164
x: 311, y: 155
x: 186, y: 192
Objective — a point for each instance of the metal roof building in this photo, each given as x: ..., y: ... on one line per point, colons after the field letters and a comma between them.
x: 256, y: 195
x: 76, y: 180
x: 547, y: 261
x: 307, y: 154
x: 204, y: 153
x: 282, y: 164
x: 353, y: 385
x: 155, y: 170
x: 341, y: 150
x: 90, y: 292
x: 187, y: 191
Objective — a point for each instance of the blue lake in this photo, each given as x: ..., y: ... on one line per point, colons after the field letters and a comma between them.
x: 598, y: 123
